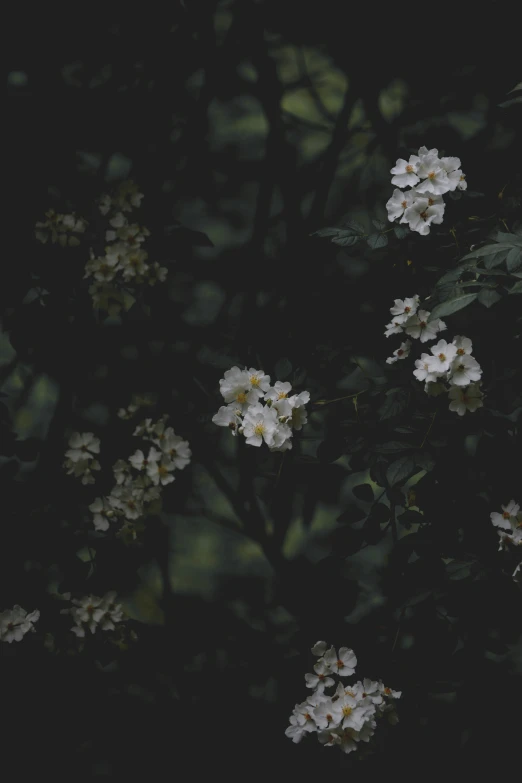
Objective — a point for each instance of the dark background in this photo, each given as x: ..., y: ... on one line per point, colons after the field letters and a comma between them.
x: 246, y: 131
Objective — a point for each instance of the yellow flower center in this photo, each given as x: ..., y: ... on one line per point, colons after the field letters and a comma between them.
x: 347, y: 711
x: 254, y: 380
x: 281, y: 395
x: 424, y: 215
x: 241, y: 397
x: 259, y: 429
x: 404, y: 204
x: 460, y: 351
x: 442, y: 357
x: 409, y: 168
x: 506, y: 515
x: 431, y: 175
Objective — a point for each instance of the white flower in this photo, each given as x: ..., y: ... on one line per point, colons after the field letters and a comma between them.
x: 129, y: 499
x: 92, y: 612
x: 404, y: 308
x: 260, y: 423
x: 400, y: 353
x: 228, y: 416
x: 463, y: 399
x: 405, y: 172
x: 319, y: 648
x: 299, y: 416
x: 464, y: 370
x: 303, y: 714
x: 160, y: 472
x: 281, y: 438
x: 104, y: 509
x: 321, y: 676
x: 121, y: 471
x: 127, y: 413
x: 419, y: 327
x: 462, y: 344
x: 432, y: 171
x: 462, y: 184
x: 420, y: 215
x: 508, y: 519
x: 156, y: 273
x: 443, y: 354
x: 398, y: 202
x: 176, y: 449
x: 236, y: 387
x: 326, y: 715
x: 393, y: 328
x: 83, y: 446
x: 423, y: 371
x: 279, y: 391
x: 82, y: 469
x: 343, y: 664
x: 436, y: 203
x: 258, y: 380
x: 134, y: 264
x: 15, y: 623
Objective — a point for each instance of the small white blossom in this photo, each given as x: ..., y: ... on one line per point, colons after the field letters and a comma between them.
x: 405, y: 172
x: 465, y: 399
x: 443, y: 354
x: 508, y: 519
x: 404, y: 308
x: 399, y: 202
x: 400, y: 353
x: 83, y: 446
x: 259, y: 425
x: 464, y: 370
x: 420, y: 327
x: 16, y: 622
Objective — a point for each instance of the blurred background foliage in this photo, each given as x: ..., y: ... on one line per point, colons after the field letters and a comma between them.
x: 246, y: 131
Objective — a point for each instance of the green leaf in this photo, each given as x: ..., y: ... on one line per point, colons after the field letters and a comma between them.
x: 452, y: 306
x: 510, y: 239
x: 357, y: 227
x: 395, y: 402
x: 392, y: 447
x: 375, y: 241
x: 454, y: 274
x: 514, y: 259
x: 401, y: 231
x: 400, y: 470
x: 379, y: 224
x: 345, y: 237
x: 495, y: 260
x: 487, y: 250
x: 517, y: 288
x: 363, y: 492
x: 488, y: 297
x: 330, y: 450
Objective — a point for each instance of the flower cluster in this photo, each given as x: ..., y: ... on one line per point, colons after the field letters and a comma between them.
x: 509, y: 524
x: 139, y: 479
x: 92, y: 612
x: 350, y: 713
x: 428, y: 178
x: 124, y: 261
x: 80, y: 459
x: 272, y: 422
x: 446, y: 362
x: 15, y: 623
x: 60, y: 229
